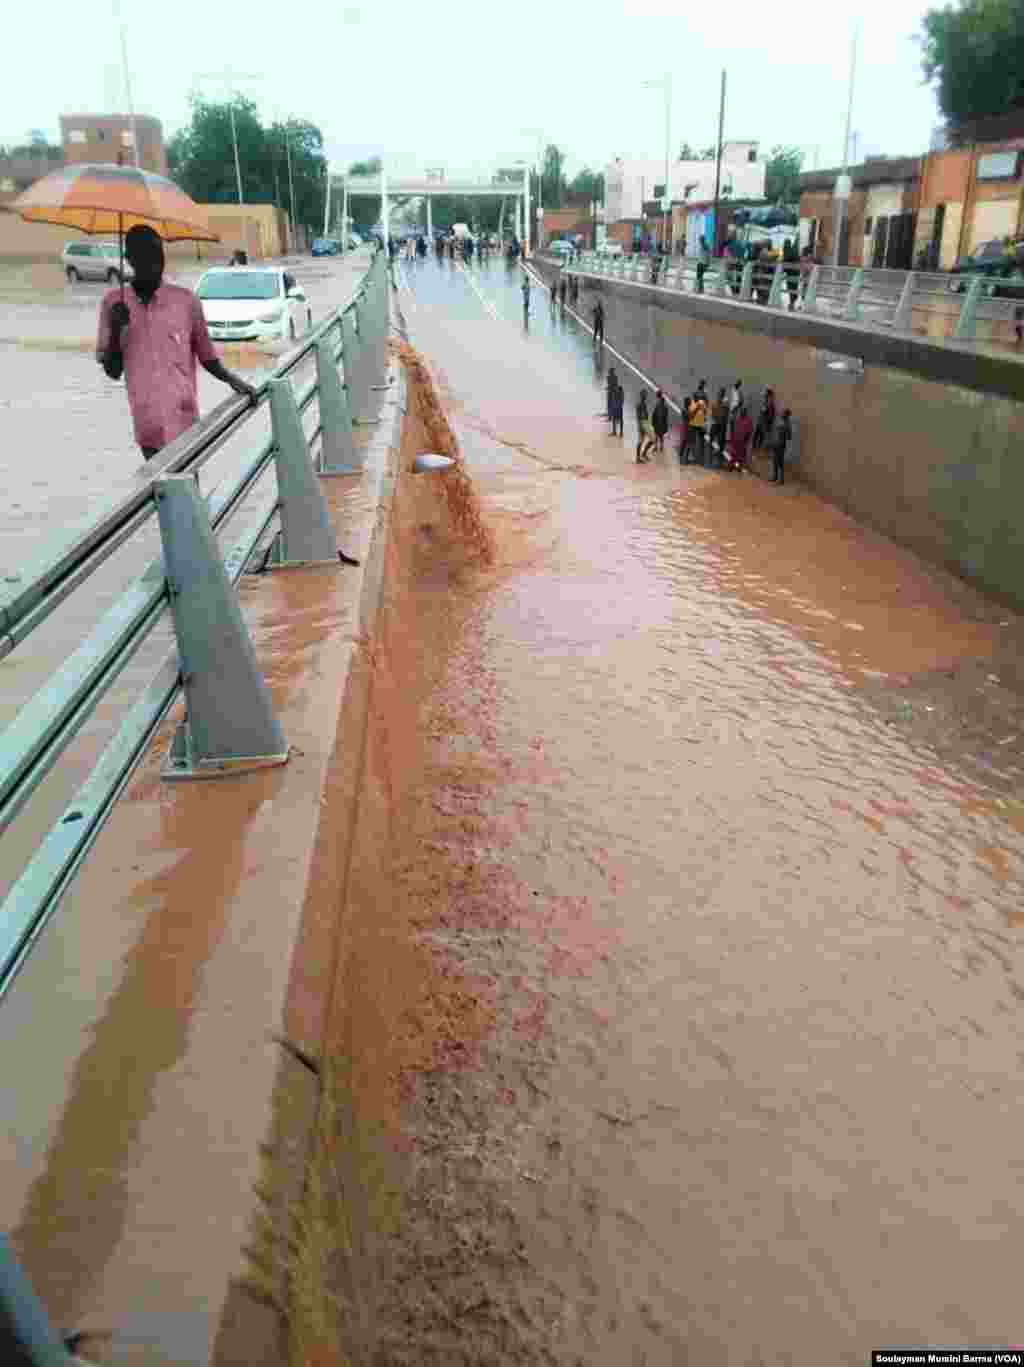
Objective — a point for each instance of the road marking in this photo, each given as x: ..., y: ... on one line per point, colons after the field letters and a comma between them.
x: 617, y: 354
x: 476, y: 290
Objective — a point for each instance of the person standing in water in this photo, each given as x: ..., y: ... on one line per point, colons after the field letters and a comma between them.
x: 599, y: 324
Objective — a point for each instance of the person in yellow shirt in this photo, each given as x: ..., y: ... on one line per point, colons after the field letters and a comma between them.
x: 696, y: 417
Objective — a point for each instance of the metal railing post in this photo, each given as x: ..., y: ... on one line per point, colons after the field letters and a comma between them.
x: 851, y: 308
x: 306, y: 535
x: 357, y: 377
x: 966, y: 324
x: 747, y: 281
x: 810, y: 299
x: 901, y: 319
x: 775, y: 293
x: 229, y: 725
x: 337, y: 450
x: 26, y: 1338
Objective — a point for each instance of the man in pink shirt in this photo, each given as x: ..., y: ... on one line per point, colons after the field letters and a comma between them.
x: 154, y: 338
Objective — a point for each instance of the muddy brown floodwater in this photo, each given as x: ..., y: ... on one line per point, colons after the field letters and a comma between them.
x: 681, y: 1012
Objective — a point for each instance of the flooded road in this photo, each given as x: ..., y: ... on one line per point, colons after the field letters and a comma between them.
x: 713, y: 850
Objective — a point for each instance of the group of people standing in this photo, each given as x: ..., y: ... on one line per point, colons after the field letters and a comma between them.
x: 713, y: 432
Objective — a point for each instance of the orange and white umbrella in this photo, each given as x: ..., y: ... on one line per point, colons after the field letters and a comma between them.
x: 106, y: 199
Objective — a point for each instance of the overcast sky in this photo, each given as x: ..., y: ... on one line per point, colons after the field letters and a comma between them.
x: 456, y: 84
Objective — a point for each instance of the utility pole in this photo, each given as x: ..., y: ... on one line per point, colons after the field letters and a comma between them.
x: 327, y: 201
x: 718, y: 166
x: 291, y: 183
x: 841, y: 193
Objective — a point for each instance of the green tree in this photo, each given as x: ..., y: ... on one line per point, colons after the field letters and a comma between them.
x: 201, y: 158
x: 365, y: 212
x: 553, y: 176
x: 782, y: 175
x: 304, y: 143
x: 973, y: 53
x: 586, y: 186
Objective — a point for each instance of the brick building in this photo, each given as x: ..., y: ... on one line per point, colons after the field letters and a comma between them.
x: 108, y: 137
x: 938, y: 207
x: 881, y: 220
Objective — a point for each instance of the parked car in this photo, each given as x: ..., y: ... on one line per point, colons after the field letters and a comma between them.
x: 560, y: 248
x: 354, y: 241
x: 610, y: 249
x: 325, y: 246
x: 247, y: 304
x: 1004, y: 270
x: 93, y: 261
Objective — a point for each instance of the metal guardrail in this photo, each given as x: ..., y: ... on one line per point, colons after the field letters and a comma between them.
x: 230, y: 724
x: 931, y: 304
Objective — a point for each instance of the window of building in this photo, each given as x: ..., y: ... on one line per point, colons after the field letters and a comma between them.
x: 76, y: 135
x: 752, y: 154
x: 101, y: 134
x: 869, y: 223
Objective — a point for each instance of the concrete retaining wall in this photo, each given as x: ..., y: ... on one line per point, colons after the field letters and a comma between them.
x: 927, y: 444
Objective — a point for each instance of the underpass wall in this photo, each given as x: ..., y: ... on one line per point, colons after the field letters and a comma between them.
x: 926, y: 444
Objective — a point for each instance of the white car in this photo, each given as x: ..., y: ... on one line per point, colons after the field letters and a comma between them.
x: 253, y: 304
x: 610, y: 249
x: 560, y: 248
x: 94, y: 261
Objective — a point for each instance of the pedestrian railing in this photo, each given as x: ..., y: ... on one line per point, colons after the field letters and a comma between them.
x: 926, y: 303
x: 230, y: 725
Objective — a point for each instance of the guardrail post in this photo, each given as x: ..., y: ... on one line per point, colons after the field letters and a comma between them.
x: 851, y: 309
x: 747, y: 280
x: 357, y: 373
x: 775, y: 293
x: 337, y: 451
x: 810, y: 299
x: 229, y: 725
x: 26, y: 1338
x: 966, y: 324
x: 306, y: 535
x: 371, y: 337
x: 902, y: 318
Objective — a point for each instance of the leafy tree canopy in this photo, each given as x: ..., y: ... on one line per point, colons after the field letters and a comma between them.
x: 587, y: 186
x: 201, y: 158
x: 782, y: 175
x: 973, y: 53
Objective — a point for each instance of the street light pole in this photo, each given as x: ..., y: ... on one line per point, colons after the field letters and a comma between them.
x: 844, y: 185
x: 231, y: 77
x: 537, y: 133
x: 127, y: 83
x: 718, y: 165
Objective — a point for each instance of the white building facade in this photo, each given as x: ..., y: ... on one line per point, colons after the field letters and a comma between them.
x: 629, y: 183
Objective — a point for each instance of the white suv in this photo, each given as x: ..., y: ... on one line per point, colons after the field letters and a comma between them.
x: 93, y: 261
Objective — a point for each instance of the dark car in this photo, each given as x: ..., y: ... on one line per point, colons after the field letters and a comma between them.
x: 1003, y: 271
x: 325, y: 246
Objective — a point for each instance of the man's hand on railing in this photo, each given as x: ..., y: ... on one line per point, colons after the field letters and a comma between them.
x: 220, y: 372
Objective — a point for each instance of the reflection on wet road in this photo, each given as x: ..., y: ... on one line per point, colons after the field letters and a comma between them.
x: 761, y: 771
